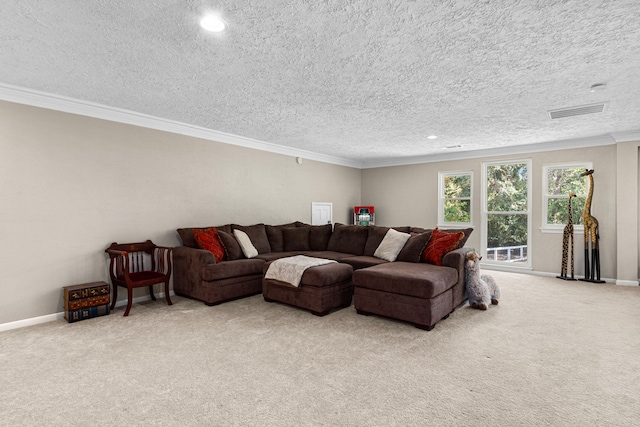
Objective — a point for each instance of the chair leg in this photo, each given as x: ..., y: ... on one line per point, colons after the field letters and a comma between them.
x: 166, y: 293
x: 115, y: 297
x: 129, y: 300
x: 153, y: 297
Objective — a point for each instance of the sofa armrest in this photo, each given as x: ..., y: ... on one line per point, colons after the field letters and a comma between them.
x: 456, y: 259
x: 187, y: 266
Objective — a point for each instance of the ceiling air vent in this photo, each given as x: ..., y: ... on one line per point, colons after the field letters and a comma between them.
x: 577, y: 111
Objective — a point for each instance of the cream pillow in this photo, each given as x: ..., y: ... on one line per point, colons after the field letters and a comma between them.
x: 391, y: 245
x: 247, y: 247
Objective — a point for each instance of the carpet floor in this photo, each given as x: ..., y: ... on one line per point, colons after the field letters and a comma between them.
x: 553, y: 353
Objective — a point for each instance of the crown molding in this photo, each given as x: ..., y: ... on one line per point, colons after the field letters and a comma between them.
x: 65, y: 104
x: 494, y: 152
x: 633, y: 135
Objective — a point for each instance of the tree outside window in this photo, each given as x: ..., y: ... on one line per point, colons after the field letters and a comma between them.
x: 559, y: 181
x: 455, y: 198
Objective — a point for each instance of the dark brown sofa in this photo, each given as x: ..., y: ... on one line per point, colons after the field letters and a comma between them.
x: 405, y: 289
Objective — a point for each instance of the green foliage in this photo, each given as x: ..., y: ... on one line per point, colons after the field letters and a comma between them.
x: 506, y: 194
x: 457, y: 211
x: 506, y: 230
x: 563, y: 181
x: 457, y: 186
x: 557, y: 212
x: 507, y: 188
x: 457, y: 193
x: 560, y: 183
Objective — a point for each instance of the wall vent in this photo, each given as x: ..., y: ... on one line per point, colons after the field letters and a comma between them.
x: 577, y: 111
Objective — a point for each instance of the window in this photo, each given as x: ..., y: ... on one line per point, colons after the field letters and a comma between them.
x: 558, y: 180
x: 454, y: 201
x: 506, y: 212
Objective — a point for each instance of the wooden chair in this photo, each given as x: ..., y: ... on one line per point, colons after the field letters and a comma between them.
x: 135, y: 265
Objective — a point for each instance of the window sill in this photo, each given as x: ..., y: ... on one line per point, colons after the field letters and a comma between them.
x: 577, y: 229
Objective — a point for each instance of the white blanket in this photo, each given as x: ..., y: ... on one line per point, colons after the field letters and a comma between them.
x: 291, y: 269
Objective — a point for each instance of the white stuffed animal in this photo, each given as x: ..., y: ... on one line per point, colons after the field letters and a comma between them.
x: 481, y: 289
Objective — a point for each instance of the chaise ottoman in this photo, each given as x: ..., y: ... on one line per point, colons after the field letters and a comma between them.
x: 419, y: 293
x: 322, y: 289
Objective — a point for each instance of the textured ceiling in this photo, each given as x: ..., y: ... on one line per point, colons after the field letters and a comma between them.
x: 364, y: 80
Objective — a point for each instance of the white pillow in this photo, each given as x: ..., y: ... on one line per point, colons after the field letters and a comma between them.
x: 391, y: 245
x: 247, y: 247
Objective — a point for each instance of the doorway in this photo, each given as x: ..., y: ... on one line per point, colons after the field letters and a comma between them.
x: 321, y: 213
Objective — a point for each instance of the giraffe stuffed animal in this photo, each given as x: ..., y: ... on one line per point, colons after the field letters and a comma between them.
x: 482, y: 290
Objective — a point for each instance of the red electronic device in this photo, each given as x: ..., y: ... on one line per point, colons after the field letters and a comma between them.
x: 364, y: 215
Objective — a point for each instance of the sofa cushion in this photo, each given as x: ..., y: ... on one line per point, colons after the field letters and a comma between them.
x: 319, y: 236
x: 274, y: 235
x: 362, y: 261
x: 348, y: 238
x: 257, y: 235
x: 374, y: 238
x: 296, y: 239
x: 415, y: 246
x: 208, y: 239
x: 441, y: 242
x: 419, y: 230
x: 391, y: 245
x: 407, y: 278
x: 231, y: 246
x: 229, y: 269
x: 247, y: 247
x: 337, y: 256
x: 277, y: 255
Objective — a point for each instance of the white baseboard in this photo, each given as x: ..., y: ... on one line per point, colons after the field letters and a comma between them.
x: 31, y: 322
x: 627, y: 282
x: 59, y: 316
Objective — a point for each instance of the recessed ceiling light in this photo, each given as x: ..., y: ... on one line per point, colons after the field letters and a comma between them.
x: 432, y: 137
x: 213, y: 23
x: 598, y: 87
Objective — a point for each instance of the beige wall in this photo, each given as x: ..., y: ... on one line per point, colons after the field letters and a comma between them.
x: 407, y: 195
x: 71, y: 185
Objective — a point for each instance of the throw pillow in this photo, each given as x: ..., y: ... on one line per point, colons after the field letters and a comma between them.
x: 258, y: 236
x: 466, y: 231
x: 440, y: 244
x: 391, y: 245
x: 186, y: 235
x: 247, y: 247
x: 231, y: 246
x: 374, y: 238
x: 208, y: 239
x: 415, y: 246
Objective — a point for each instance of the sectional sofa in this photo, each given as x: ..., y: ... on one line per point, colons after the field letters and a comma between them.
x: 406, y: 289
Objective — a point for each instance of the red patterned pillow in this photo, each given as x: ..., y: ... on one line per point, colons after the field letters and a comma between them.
x: 439, y: 245
x: 208, y: 239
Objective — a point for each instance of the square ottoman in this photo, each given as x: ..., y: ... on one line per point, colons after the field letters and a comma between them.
x: 418, y: 293
x: 322, y: 289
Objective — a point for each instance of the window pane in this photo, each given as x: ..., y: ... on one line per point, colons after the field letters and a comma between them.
x: 507, y: 188
x: 557, y: 210
x: 507, y: 237
x: 457, y: 186
x: 565, y: 180
x: 457, y: 211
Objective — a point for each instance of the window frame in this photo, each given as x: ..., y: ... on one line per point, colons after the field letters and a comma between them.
x: 558, y: 228
x: 485, y: 214
x: 442, y: 199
